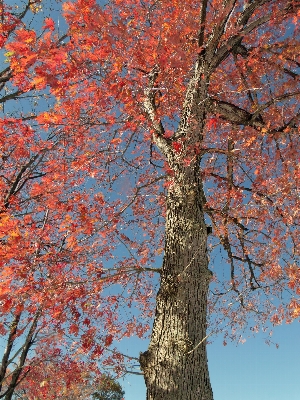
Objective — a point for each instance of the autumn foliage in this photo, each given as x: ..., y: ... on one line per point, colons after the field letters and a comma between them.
x: 83, y: 183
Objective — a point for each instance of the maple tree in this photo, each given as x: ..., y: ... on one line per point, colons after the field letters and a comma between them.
x: 147, y: 128
x: 68, y: 380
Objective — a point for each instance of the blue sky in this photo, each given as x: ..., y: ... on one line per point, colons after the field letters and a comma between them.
x: 253, y: 370
x: 248, y: 371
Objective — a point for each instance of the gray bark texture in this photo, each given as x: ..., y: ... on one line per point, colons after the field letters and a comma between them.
x: 175, y: 364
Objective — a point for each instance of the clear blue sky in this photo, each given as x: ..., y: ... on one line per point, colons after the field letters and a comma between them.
x: 248, y: 371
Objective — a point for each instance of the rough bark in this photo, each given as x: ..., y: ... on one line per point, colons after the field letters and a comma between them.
x: 175, y: 364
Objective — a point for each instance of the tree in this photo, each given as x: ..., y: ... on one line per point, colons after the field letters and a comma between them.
x: 145, y: 111
x: 68, y: 380
x: 109, y: 390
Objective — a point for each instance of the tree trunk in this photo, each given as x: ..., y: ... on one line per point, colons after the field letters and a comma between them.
x: 175, y: 364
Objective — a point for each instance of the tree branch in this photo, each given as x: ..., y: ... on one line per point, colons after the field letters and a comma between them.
x: 203, y: 12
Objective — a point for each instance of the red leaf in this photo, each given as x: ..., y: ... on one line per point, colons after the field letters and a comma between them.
x: 49, y: 24
x: 177, y: 146
x: 212, y: 123
x: 108, y: 340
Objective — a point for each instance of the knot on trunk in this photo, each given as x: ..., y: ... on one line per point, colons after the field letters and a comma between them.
x: 145, y: 360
